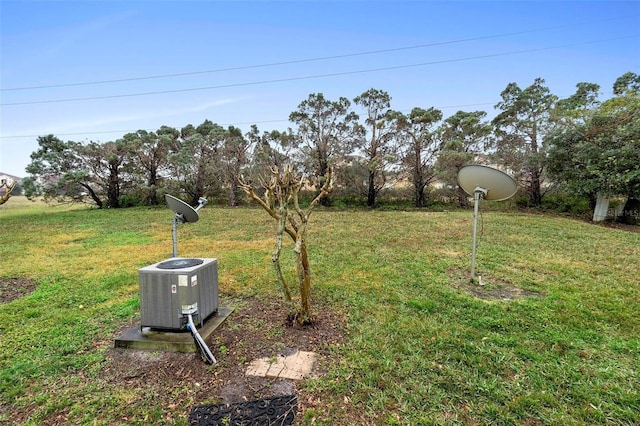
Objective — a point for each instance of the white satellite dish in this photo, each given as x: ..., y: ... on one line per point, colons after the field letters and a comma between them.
x: 184, y: 213
x: 488, y: 183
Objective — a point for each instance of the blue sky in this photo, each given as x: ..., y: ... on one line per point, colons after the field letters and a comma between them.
x: 241, y: 63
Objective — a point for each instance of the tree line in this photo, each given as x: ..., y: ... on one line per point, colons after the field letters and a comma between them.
x: 579, y: 144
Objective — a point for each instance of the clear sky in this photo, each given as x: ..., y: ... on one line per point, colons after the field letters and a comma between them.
x: 95, y: 70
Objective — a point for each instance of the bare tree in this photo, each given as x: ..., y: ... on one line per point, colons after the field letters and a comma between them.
x: 280, y: 201
x: 8, y: 187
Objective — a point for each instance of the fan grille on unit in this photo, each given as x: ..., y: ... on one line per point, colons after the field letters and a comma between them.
x: 180, y: 263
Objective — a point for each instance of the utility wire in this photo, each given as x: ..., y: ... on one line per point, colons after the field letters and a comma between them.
x: 281, y: 80
x: 221, y: 124
x: 298, y: 61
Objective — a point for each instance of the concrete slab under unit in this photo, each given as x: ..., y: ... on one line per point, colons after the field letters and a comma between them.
x: 170, y: 341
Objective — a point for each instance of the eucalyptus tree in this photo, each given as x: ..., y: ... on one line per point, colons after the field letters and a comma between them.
x: 326, y: 132
x: 150, y: 153
x: 109, y: 168
x: 377, y: 141
x: 58, y: 172
x: 418, y: 148
x: 270, y: 148
x: 233, y: 158
x: 193, y: 163
x: 464, y: 137
x: 520, y: 128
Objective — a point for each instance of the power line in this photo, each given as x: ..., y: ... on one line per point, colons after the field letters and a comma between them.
x: 298, y: 61
x: 281, y: 80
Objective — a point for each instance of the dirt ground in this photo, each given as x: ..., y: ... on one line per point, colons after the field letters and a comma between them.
x: 179, y: 381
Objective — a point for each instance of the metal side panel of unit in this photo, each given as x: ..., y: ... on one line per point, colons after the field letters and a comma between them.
x: 208, y: 289
x: 159, y: 302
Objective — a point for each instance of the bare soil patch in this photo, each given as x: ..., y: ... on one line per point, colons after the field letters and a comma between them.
x: 15, y: 288
x: 492, y: 289
x: 256, y: 329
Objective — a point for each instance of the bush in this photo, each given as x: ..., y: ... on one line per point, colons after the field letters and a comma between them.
x: 130, y: 200
x: 563, y: 203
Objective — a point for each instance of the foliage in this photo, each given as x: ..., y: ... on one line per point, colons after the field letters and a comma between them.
x: 520, y: 128
x: 377, y: 142
x: 379, y: 151
x: 419, y: 148
x: 57, y: 173
x: 600, y: 153
x: 326, y: 130
x: 464, y: 137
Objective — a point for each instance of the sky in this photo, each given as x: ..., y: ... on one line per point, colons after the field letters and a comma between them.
x: 96, y: 70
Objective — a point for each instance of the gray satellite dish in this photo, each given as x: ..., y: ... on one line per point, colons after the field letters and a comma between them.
x: 184, y: 213
x: 488, y: 183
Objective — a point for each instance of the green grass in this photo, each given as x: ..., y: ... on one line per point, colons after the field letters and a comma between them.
x: 418, y: 350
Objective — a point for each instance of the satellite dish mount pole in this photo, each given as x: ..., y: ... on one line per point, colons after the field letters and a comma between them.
x: 478, y: 194
x: 174, y: 231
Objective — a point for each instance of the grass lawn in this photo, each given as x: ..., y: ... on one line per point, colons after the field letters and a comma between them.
x: 421, y: 346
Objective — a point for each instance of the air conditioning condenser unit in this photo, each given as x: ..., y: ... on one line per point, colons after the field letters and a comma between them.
x: 175, y: 288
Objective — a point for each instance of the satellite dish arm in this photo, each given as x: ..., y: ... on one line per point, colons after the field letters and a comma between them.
x: 201, y: 203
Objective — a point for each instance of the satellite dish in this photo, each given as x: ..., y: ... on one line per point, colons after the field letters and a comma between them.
x: 497, y: 185
x: 184, y: 213
x: 488, y: 183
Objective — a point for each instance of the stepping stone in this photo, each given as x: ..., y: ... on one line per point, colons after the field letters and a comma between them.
x: 295, y: 366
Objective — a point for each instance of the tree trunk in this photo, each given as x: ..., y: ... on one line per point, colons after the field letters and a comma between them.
x: 93, y: 195
x: 463, y: 198
x: 275, y: 258
x: 631, y: 212
x: 535, y: 191
x: 602, y: 205
x: 304, y: 278
x: 418, y: 195
x: 371, y: 195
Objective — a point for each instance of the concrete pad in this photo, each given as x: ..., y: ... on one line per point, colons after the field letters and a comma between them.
x: 259, y: 367
x: 295, y: 366
x: 170, y: 341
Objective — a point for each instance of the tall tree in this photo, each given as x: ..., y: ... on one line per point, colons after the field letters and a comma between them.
x: 520, y: 127
x: 193, y: 163
x: 109, y: 168
x: 58, y: 172
x: 150, y: 153
x: 463, y: 137
x: 232, y: 159
x: 272, y: 148
x: 326, y: 131
x: 599, y: 153
x: 377, y: 143
x: 419, y: 148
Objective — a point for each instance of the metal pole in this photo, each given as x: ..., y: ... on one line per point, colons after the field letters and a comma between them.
x: 175, y: 236
x: 476, y: 201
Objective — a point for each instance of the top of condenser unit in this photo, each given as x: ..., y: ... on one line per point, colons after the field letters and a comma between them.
x: 179, y: 263
x: 180, y: 267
